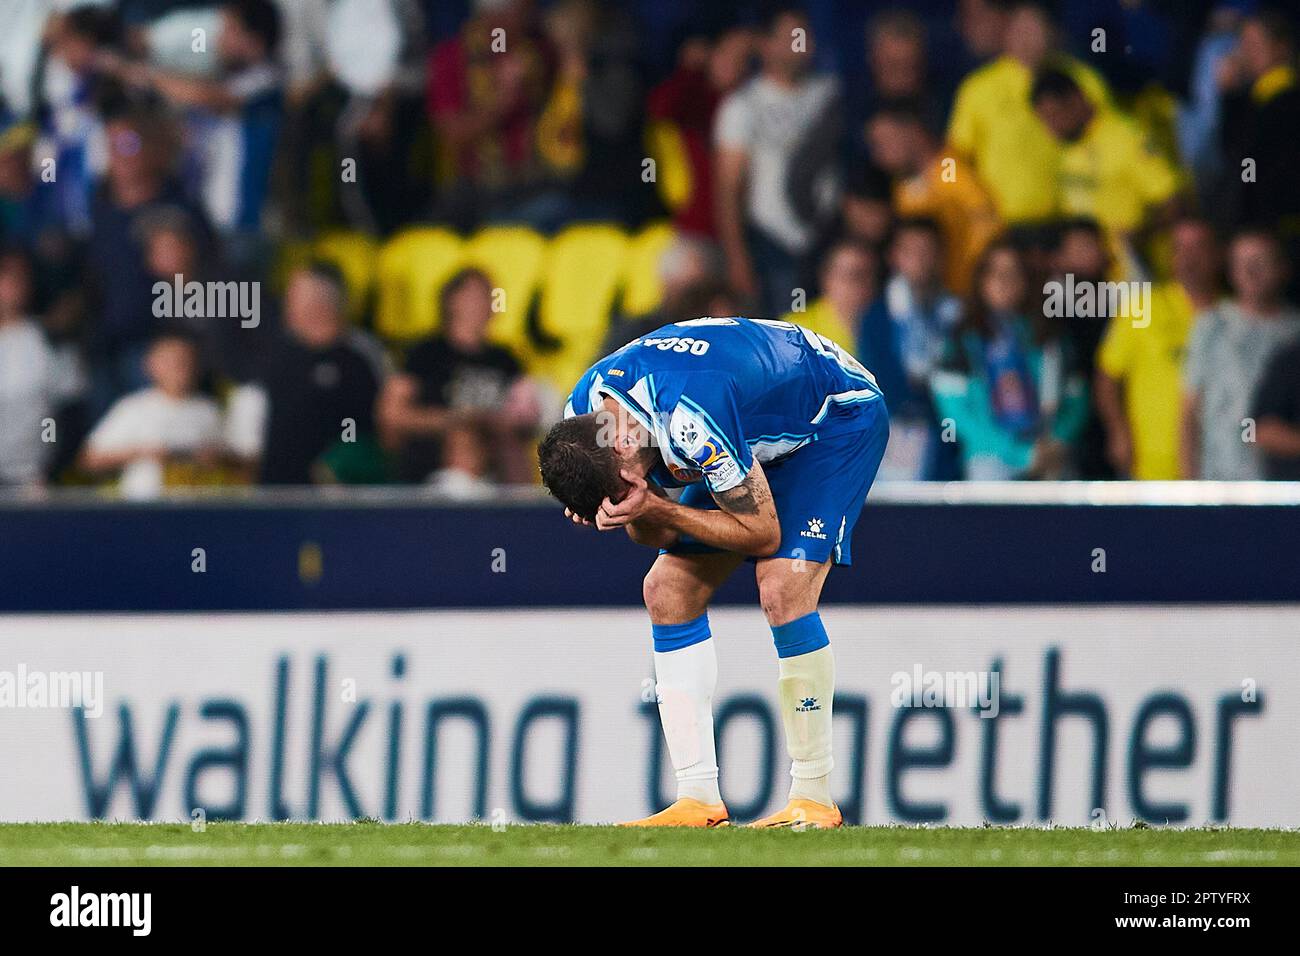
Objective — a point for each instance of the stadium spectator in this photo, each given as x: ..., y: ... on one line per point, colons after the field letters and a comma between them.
x: 1006, y: 383
x: 982, y: 25
x: 777, y: 180
x: 1138, y: 382
x: 850, y: 282
x: 681, y: 111
x: 71, y: 93
x: 484, y: 98
x: 374, y: 51
x: 1106, y: 171
x: 903, y: 341
x: 166, y: 424
x: 897, y: 63
x: 26, y: 212
x: 537, y: 113
x: 233, y: 119
x: 928, y: 183
x: 1261, y: 112
x: 175, y: 251
x: 1230, y: 349
x: 320, y: 382
x: 1080, y: 260
x: 866, y: 209
x: 35, y: 380
x: 1200, y: 117
x: 121, y: 320
x: 590, y: 135
x: 462, y: 411
x: 896, y: 55
x: 993, y: 125
x: 1277, y: 410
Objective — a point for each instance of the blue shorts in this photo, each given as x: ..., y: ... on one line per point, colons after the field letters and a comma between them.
x: 818, y: 490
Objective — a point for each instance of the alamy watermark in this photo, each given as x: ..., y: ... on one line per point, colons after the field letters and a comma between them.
x: 25, y: 689
x: 1086, y: 299
x: 214, y: 300
x: 976, y: 690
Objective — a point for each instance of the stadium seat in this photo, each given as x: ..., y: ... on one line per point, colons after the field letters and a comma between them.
x: 584, y: 270
x: 411, y: 269
x: 643, y: 289
x: 513, y: 258
x: 354, y: 254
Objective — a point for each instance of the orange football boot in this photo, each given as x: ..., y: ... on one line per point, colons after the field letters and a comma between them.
x: 686, y: 812
x: 800, y: 814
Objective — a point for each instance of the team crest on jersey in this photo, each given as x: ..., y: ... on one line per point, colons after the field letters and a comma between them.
x: 705, y: 451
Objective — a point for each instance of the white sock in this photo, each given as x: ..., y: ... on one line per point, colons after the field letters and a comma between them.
x: 685, y: 680
x: 807, y: 687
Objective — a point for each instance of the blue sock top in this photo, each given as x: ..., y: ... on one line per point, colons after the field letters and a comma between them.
x: 803, y: 635
x: 673, y: 637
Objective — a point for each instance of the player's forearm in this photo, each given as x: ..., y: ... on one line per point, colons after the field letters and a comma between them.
x: 652, y: 536
x: 757, y: 535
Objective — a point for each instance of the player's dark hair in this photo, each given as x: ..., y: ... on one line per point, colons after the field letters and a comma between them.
x: 577, y: 468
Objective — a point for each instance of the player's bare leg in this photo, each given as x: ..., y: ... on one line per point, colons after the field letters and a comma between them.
x: 677, y: 592
x: 790, y: 590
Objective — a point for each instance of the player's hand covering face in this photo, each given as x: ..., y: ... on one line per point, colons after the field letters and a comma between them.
x: 630, y: 507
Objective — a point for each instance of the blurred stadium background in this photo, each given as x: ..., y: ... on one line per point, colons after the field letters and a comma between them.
x: 288, y: 291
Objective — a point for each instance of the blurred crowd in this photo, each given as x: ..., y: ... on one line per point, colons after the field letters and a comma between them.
x: 1062, y: 235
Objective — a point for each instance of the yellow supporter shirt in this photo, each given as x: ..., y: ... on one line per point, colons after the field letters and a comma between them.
x: 1111, y: 175
x: 821, y: 317
x: 994, y: 125
x: 1149, y: 363
x: 951, y: 194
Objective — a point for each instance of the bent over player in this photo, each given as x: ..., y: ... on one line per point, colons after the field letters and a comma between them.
x: 776, y: 433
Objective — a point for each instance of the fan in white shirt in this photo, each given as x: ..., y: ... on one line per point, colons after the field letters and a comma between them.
x: 169, y: 421
x: 35, y: 379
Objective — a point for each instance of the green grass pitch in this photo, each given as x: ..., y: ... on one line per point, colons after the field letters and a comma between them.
x: 419, y: 844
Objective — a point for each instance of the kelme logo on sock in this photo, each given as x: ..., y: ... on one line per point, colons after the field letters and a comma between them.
x: 807, y: 704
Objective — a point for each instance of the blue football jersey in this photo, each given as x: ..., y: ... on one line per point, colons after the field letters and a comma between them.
x: 718, y: 393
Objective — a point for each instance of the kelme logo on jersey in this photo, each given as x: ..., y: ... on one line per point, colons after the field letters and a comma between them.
x: 815, y: 526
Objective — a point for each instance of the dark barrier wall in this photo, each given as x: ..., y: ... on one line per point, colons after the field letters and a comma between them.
x: 260, y: 556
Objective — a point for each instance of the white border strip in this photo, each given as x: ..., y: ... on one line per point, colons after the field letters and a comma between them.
x: 1150, y: 493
